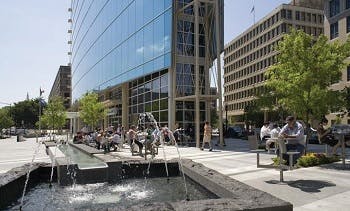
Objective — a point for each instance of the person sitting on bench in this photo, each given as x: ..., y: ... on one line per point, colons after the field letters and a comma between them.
x: 115, y: 140
x: 133, y: 138
x: 325, y: 136
x: 293, y: 132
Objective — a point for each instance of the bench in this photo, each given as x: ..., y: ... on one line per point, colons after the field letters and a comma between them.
x: 281, y: 145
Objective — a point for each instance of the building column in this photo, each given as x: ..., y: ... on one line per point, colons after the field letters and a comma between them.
x: 71, y: 125
x: 196, y: 67
x: 171, y: 101
x: 218, y: 58
x: 125, y: 105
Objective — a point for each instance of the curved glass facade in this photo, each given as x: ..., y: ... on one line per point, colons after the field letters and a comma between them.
x: 117, y: 41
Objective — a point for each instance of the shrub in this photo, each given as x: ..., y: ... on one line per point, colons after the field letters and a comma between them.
x: 314, y: 159
x: 310, y: 159
x: 276, y: 161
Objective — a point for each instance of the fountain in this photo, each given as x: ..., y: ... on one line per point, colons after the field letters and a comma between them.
x: 122, y: 185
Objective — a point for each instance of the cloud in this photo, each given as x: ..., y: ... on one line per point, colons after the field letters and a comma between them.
x: 155, y: 48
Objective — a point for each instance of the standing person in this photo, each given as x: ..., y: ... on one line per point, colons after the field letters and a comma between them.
x: 207, y: 136
x: 293, y: 131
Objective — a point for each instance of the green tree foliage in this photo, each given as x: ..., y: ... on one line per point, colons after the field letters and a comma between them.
x: 26, y: 111
x: 305, y: 69
x: 253, y: 115
x: 90, y: 110
x: 6, y: 120
x: 214, y: 117
x: 54, y: 116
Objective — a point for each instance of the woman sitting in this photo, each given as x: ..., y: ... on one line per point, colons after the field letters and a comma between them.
x: 134, y: 140
x: 325, y: 136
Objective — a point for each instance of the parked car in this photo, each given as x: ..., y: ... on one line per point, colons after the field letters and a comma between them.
x: 234, y: 132
x: 342, y: 129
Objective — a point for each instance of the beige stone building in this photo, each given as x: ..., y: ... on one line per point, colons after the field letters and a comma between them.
x: 249, y: 55
x: 337, y: 28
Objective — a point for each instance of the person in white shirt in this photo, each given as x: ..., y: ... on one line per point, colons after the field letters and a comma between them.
x: 274, y: 134
x: 265, y: 132
x: 293, y: 131
x: 115, y: 141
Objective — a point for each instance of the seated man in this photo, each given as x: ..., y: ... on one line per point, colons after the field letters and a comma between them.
x: 167, y: 136
x: 293, y: 132
x: 325, y: 136
x: 274, y: 134
x: 115, y: 141
x: 265, y: 132
x: 78, y: 139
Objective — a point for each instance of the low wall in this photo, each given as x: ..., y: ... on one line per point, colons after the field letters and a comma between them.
x: 12, y: 182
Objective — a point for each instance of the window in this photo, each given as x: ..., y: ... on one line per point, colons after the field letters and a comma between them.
x: 348, y: 24
x: 289, y: 14
x: 283, y: 13
x: 334, y: 7
x: 348, y: 73
x: 302, y: 16
x: 297, y: 15
x: 347, y: 4
x: 334, y: 30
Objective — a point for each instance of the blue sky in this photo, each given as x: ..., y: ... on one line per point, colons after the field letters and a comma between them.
x: 33, y: 41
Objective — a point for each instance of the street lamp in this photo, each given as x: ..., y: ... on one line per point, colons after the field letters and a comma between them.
x: 226, y: 125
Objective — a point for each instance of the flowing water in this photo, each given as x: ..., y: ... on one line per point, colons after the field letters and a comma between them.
x: 182, y: 170
x: 53, y: 160
x: 104, y: 195
x: 28, y: 173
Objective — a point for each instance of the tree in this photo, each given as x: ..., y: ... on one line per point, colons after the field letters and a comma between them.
x: 90, y: 110
x: 26, y: 111
x: 214, y: 117
x: 6, y: 120
x: 253, y: 115
x: 54, y: 115
x: 305, y: 69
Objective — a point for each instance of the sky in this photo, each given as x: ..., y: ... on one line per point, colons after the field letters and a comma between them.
x: 33, y: 41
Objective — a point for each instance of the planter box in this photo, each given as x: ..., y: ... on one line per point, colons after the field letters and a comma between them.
x: 253, y: 142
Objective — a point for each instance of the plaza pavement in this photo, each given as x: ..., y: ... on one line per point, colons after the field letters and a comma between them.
x: 316, y: 188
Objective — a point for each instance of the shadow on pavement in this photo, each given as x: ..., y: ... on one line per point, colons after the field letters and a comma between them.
x: 309, y: 186
x: 336, y: 166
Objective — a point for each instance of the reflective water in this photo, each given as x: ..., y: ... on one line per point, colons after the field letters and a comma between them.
x: 83, y: 160
x: 104, y: 195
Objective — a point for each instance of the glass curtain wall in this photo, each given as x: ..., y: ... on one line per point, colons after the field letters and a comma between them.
x: 118, y: 41
x: 149, y: 94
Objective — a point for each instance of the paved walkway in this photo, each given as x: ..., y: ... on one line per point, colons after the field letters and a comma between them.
x: 14, y: 154
x: 316, y: 188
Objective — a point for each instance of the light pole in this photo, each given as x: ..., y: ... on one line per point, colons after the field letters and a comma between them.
x: 226, y: 120
x: 40, y: 101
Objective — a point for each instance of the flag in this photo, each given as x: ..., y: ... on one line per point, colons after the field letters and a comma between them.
x: 253, y: 9
x: 41, y: 91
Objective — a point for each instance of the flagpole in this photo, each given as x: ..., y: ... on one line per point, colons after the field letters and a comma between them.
x: 254, y: 12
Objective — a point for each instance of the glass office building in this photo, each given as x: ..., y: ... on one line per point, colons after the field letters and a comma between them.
x: 140, y: 56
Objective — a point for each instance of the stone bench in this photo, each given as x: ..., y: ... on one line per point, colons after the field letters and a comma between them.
x: 282, y: 150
